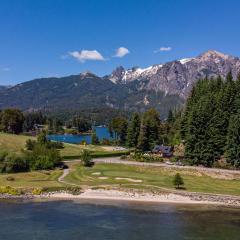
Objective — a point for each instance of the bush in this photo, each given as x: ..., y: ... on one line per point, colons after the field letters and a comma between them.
x: 178, y: 181
x: 14, y: 163
x: 139, y: 157
x: 94, y: 139
x: 9, y: 190
x: 57, y: 145
x: 30, y: 144
x: 71, y: 131
x: 10, y: 178
x: 83, y: 142
x: 86, y: 158
x: 123, y: 157
x: 106, y: 142
x: 37, y: 191
x: 42, y: 163
x: 74, y: 190
x: 43, y: 158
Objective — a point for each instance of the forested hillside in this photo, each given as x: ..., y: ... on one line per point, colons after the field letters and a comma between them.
x: 211, y: 122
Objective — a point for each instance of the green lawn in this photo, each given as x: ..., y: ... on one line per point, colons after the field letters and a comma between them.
x: 12, y: 143
x: 36, y: 179
x: 152, y: 178
x: 72, y: 151
x: 15, y: 143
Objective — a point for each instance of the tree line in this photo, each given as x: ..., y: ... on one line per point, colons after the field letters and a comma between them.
x: 15, y: 121
x: 143, y: 131
x: 210, y: 123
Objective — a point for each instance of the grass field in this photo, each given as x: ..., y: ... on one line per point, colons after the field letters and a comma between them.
x: 106, y: 174
x: 152, y: 178
x: 15, y: 143
x: 12, y: 143
x: 36, y: 179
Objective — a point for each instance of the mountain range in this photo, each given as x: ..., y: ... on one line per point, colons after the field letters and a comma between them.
x: 162, y: 86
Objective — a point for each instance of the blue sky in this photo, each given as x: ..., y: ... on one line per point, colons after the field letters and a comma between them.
x: 42, y: 38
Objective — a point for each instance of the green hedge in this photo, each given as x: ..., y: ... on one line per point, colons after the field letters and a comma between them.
x: 99, y: 154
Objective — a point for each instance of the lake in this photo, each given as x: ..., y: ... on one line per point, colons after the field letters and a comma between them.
x: 101, y: 132
x: 66, y: 220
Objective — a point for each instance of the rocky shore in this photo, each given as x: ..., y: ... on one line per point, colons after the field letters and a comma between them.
x: 135, y: 195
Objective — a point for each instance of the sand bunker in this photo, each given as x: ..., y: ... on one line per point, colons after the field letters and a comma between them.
x: 102, y: 177
x: 128, y: 179
x: 96, y: 173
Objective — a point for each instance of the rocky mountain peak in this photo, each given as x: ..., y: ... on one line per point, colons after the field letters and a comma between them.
x: 213, y: 54
x: 87, y: 74
x: 178, y: 77
x: 117, y: 74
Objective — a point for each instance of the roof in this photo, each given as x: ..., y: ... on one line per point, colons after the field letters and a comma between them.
x: 163, y: 149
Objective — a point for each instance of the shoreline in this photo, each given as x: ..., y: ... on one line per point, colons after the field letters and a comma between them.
x: 186, y: 198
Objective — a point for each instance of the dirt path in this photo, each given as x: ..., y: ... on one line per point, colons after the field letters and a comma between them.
x: 61, y: 178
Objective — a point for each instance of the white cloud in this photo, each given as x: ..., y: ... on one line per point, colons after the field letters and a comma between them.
x: 85, y: 55
x: 163, y: 49
x: 121, y: 52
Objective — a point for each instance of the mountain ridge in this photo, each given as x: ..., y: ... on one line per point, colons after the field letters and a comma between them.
x: 162, y: 86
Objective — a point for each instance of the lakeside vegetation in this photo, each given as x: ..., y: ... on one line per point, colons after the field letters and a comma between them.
x: 16, y: 143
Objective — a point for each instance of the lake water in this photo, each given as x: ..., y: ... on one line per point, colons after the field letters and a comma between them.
x: 101, y: 132
x: 65, y: 220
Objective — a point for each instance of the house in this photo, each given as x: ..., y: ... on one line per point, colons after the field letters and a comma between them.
x: 163, y: 151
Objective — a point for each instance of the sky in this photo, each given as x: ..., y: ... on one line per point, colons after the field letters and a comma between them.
x: 44, y: 38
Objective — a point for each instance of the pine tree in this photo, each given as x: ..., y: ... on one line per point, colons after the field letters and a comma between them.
x: 233, y: 141
x: 143, y: 143
x: 133, y: 130
x: 149, y: 131
x: 170, y: 118
x: 178, y: 180
x: 94, y: 139
x: 118, y: 129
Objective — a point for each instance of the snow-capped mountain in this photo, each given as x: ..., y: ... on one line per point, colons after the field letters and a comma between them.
x: 178, y: 77
x: 163, y: 86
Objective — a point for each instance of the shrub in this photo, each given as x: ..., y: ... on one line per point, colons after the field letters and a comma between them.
x: 43, y: 158
x: 74, y: 190
x: 83, y: 142
x: 42, y: 163
x: 9, y: 190
x: 86, y: 158
x: 15, y: 163
x: 94, y: 139
x: 10, y: 178
x: 139, y: 157
x: 57, y: 145
x: 30, y: 144
x: 71, y: 131
x: 106, y: 142
x: 178, y: 181
x: 2, y: 156
x: 123, y: 157
x: 37, y: 191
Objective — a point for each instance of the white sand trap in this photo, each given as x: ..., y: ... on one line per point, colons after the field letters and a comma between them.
x: 128, y: 179
x: 102, y: 177
x: 96, y: 173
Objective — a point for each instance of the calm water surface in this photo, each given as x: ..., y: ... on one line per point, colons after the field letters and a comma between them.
x: 73, y: 220
x: 101, y: 132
